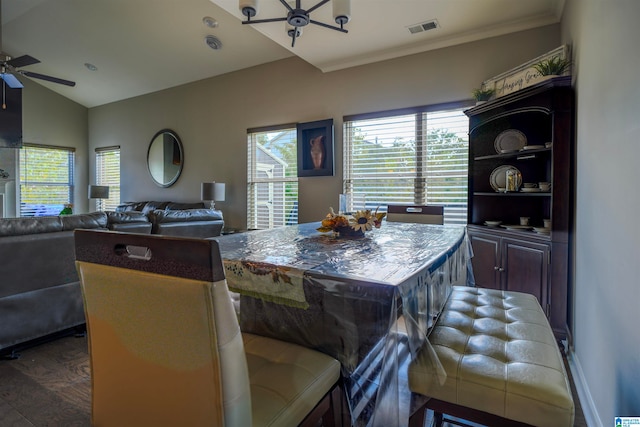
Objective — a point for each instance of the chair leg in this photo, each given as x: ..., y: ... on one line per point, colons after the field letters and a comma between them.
x: 416, y: 419
x: 339, y: 411
x: 417, y: 410
x: 331, y: 417
x: 438, y: 419
x: 331, y: 411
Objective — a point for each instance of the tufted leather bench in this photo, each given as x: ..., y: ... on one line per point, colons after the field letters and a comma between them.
x: 502, y: 363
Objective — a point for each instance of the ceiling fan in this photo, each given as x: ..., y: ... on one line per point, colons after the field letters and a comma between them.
x: 9, y: 67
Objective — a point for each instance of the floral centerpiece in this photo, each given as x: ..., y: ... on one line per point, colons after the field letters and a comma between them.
x: 351, y: 224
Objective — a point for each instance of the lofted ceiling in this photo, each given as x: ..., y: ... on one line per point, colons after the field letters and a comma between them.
x: 142, y: 46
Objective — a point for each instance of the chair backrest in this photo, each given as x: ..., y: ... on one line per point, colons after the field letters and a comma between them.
x: 415, y: 213
x: 164, y: 342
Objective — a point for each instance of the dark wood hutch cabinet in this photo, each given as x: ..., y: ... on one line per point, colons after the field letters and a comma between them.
x: 532, y: 261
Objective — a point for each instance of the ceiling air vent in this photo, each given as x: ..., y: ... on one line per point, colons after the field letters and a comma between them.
x: 423, y: 26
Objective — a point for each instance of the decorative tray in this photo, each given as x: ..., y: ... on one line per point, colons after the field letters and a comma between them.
x: 498, y: 178
x: 509, y: 141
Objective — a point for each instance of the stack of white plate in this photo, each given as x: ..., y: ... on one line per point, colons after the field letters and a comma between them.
x: 492, y: 223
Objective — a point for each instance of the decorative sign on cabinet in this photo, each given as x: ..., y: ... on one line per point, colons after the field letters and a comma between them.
x: 527, y: 173
x: 524, y: 75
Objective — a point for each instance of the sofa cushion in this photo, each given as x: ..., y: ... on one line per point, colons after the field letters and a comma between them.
x: 152, y: 206
x: 187, y: 215
x: 126, y: 217
x: 29, y: 225
x: 174, y: 206
x: 201, y: 223
x: 143, y: 207
x: 130, y: 222
x: 130, y: 206
x: 88, y: 220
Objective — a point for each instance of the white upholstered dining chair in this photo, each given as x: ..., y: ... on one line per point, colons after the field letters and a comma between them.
x: 166, y: 348
x: 415, y: 213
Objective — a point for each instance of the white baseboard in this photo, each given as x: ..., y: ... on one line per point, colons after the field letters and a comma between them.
x: 588, y: 406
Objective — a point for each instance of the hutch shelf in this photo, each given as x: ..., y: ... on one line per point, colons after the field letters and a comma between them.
x: 538, y: 144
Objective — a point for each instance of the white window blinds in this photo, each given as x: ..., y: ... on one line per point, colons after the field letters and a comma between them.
x: 272, y: 177
x: 414, y: 156
x: 46, y: 179
x: 108, y: 173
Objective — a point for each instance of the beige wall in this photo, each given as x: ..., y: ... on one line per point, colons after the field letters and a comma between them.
x: 606, y: 288
x: 212, y: 116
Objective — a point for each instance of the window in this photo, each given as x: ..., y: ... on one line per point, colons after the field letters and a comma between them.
x: 108, y: 173
x: 413, y: 156
x: 272, y: 177
x: 46, y: 179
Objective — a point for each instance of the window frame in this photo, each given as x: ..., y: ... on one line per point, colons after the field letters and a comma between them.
x: 26, y: 180
x: 454, y: 214
x: 105, y: 177
x: 254, y: 182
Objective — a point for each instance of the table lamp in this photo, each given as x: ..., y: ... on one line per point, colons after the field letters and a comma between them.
x: 99, y: 192
x: 212, y: 191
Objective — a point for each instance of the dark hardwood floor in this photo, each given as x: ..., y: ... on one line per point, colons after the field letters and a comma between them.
x: 50, y: 385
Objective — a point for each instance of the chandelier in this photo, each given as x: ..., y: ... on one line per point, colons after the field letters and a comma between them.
x: 297, y: 18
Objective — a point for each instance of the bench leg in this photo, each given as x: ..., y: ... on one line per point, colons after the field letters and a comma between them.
x: 417, y: 418
x: 438, y: 419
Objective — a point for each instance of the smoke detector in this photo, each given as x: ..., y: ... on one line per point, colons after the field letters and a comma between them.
x: 423, y: 26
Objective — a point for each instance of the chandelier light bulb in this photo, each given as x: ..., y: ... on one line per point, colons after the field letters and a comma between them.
x: 290, y: 29
x: 249, y: 8
x: 341, y: 11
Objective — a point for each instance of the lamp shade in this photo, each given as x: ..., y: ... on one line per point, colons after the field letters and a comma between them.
x: 207, y: 191
x: 212, y: 191
x: 219, y: 191
x: 98, y: 192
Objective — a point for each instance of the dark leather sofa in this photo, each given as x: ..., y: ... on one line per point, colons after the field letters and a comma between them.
x: 167, y: 218
x: 39, y: 288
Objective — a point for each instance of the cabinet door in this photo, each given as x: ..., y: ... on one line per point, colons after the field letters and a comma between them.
x: 526, y: 268
x: 485, y: 261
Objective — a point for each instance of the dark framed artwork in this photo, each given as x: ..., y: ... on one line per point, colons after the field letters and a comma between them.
x: 315, y: 148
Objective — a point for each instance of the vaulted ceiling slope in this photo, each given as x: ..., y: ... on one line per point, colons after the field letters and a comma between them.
x: 142, y: 46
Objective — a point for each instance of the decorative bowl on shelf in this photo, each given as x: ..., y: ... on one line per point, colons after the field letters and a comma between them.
x: 492, y: 223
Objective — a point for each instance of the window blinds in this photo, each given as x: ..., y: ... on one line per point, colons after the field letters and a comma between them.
x: 46, y: 179
x: 108, y: 173
x: 413, y: 156
x: 272, y: 177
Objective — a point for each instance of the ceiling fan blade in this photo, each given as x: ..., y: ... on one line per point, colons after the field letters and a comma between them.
x: 11, y: 81
x: 47, y: 78
x: 22, y: 61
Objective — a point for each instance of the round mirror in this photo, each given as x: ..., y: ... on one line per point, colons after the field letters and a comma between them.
x: 165, y: 158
